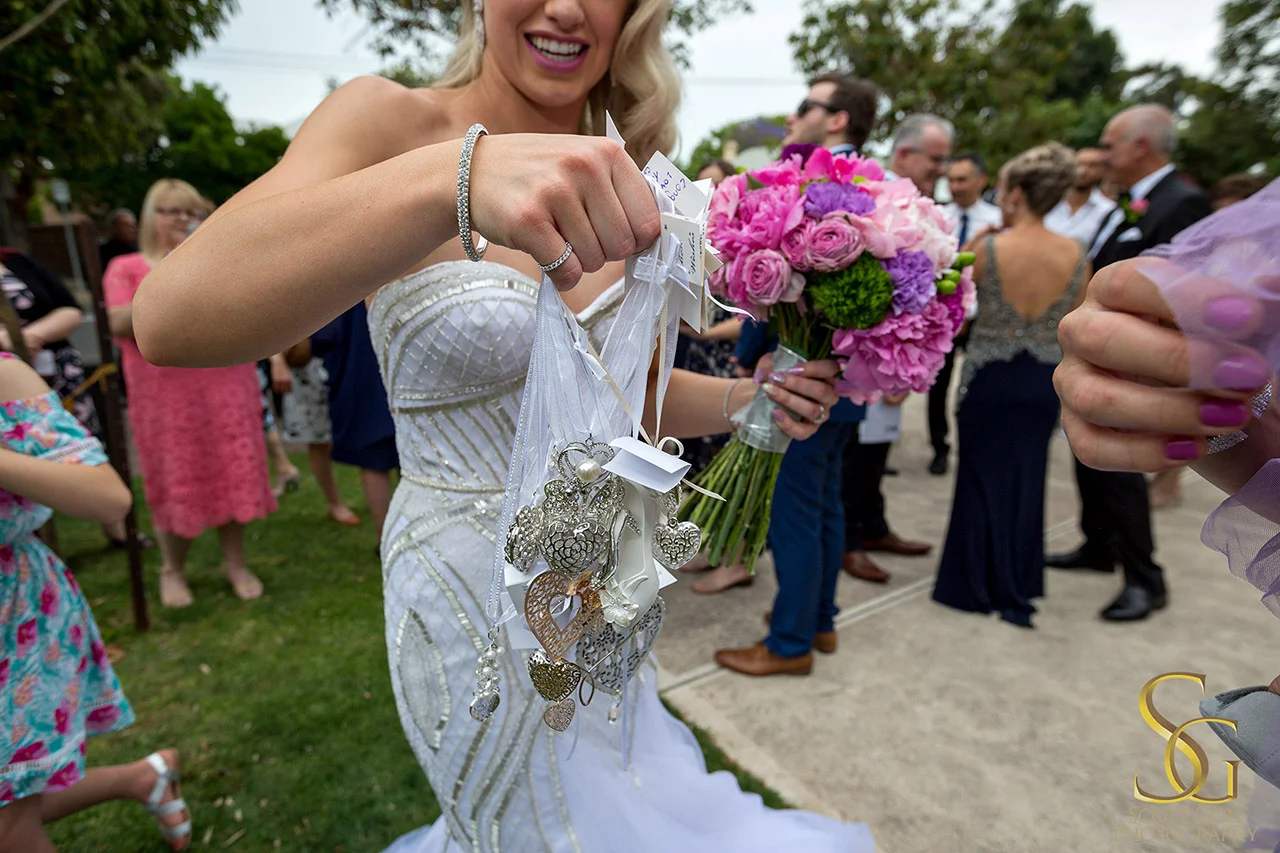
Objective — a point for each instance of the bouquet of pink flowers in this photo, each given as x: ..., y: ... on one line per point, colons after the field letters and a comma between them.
x: 842, y: 263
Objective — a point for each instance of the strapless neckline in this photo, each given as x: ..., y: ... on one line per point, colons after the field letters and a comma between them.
x: 484, y: 270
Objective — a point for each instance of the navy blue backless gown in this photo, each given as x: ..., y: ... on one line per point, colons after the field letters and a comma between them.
x: 994, y: 554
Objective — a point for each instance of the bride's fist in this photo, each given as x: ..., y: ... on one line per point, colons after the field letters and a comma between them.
x: 535, y: 192
x: 1126, y: 370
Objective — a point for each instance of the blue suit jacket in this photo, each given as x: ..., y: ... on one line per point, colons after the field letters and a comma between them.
x: 755, y: 341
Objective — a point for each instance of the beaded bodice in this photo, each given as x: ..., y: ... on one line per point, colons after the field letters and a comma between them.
x: 453, y: 342
x: 1000, y: 333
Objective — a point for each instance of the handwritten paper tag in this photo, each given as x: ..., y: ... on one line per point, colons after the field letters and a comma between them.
x: 645, y: 465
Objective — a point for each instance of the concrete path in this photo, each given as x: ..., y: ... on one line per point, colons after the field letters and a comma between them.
x: 956, y: 732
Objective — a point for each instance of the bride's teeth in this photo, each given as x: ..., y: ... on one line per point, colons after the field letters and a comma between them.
x: 556, y: 48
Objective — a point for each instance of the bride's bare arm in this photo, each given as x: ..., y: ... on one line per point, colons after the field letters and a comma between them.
x: 344, y: 212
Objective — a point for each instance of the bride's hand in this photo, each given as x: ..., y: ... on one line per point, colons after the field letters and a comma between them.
x: 1126, y: 405
x: 808, y: 392
x: 534, y: 192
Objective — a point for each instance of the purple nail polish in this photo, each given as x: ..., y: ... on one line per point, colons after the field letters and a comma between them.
x: 797, y: 370
x: 1181, y: 451
x: 779, y: 416
x: 759, y: 377
x: 1241, y: 373
x: 778, y: 378
x: 1222, y: 414
x: 1228, y: 313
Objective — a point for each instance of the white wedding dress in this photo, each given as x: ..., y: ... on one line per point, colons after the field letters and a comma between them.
x: 454, y: 343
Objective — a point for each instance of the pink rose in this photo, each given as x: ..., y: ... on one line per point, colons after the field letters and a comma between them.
x: 48, y: 600
x: 29, y: 753
x: 795, y: 244
x: 834, y: 244
x: 1139, y: 206
x: 26, y: 638
x: 100, y: 719
x: 737, y: 288
x: 62, y: 718
x: 64, y: 778
x: 766, y: 276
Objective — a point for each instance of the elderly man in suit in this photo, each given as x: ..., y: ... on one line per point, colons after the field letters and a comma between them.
x: 1115, y: 513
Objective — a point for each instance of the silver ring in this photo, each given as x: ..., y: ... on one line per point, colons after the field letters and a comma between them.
x: 558, y: 262
x: 822, y: 415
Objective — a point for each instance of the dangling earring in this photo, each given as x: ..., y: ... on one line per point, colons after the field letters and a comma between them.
x: 477, y: 6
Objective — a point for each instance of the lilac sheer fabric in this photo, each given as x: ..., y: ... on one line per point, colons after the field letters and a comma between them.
x: 1234, y: 253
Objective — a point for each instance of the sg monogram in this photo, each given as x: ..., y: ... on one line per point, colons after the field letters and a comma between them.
x: 1176, y: 737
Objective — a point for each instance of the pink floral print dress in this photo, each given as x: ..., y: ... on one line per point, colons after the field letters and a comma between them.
x: 56, y: 684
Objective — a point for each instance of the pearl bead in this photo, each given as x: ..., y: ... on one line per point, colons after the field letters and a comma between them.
x: 589, y: 471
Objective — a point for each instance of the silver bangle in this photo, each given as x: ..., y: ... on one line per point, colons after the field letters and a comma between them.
x: 1260, y: 402
x: 474, y: 251
x: 727, y: 395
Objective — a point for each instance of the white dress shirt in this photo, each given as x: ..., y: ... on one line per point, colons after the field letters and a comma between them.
x: 1084, y: 223
x: 1137, y: 192
x: 982, y: 215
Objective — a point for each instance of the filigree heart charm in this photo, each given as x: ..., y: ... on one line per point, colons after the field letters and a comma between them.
x: 574, y: 544
x: 559, y: 715
x: 538, y: 600
x: 553, y: 681
x: 524, y: 538
x: 676, y: 544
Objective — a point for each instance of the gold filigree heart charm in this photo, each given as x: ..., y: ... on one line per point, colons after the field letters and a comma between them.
x: 676, y: 544
x: 560, y: 715
x: 539, y: 599
x: 553, y: 680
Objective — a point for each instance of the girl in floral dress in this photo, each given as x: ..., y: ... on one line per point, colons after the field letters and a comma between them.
x: 56, y: 683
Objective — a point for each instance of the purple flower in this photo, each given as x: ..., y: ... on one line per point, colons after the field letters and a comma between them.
x: 828, y: 197
x: 804, y: 149
x: 913, y: 281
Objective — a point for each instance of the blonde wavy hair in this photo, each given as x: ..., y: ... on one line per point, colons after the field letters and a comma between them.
x: 641, y: 89
x: 1043, y: 173
x: 169, y: 191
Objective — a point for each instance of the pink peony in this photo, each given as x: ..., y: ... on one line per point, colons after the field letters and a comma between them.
x: 762, y: 217
x: 874, y: 239
x: 26, y: 637
x: 766, y: 276
x: 898, y: 226
x: 834, y: 244
x: 724, y: 201
x: 64, y: 778
x: 818, y: 166
x: 903, y: 353
x: 795, y: 244
x: 101, y: 719
x: 784, y: 173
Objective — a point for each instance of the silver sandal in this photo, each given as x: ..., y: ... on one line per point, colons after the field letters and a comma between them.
x: 166, y: 776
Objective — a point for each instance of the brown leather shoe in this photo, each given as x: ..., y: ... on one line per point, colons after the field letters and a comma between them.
x: 825, y: 641
x: 758, y: 660
x: 891, y: 543
x: 857, y: 564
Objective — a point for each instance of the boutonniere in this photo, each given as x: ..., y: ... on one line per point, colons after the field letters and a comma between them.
x: 1134, y: 210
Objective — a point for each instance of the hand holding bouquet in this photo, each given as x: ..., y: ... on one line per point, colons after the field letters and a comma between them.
x: 842, y: 263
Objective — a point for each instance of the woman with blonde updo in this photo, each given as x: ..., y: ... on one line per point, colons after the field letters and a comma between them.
x: 1028, y: 278
x: 366, y: 204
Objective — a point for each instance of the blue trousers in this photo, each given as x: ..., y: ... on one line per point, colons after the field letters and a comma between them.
x: 806, y: 534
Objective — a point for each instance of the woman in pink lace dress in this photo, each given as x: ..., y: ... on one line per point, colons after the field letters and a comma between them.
x: 198, y: 432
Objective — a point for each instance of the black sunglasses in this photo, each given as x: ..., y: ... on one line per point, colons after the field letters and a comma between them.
x: 807, y: 105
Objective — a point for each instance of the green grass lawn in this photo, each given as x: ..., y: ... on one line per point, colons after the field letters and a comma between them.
x: 282, y: 707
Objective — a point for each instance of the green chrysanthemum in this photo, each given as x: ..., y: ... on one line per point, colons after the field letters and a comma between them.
x: 858, y: 297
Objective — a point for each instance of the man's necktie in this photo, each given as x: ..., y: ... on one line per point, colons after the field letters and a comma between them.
x: 964, y: 227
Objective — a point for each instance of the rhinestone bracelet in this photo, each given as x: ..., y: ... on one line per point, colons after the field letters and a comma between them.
x: 1260, y: 402
x: 474, y: 251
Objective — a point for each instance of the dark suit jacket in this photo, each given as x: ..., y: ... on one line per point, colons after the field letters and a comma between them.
x: 1173, y: 205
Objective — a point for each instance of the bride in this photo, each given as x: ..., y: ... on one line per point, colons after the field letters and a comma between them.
x: 365, y: 202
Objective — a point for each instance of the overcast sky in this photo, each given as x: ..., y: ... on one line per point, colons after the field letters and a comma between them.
x: 274, y: 57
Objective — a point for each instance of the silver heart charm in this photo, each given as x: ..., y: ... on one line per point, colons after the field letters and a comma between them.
x: 574, y: 544
x: 609, y: 654
x: 559, y: 715
x: 676, y: 544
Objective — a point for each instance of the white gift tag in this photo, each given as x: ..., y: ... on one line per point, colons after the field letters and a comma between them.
x: 692, y: 240
x: 688, y: 198
x: 645, y: 465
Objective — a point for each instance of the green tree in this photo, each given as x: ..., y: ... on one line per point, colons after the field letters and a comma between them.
x: 86, y: 84
x: 195, y: 140
x: 424, y: 25
x: 766, y: 130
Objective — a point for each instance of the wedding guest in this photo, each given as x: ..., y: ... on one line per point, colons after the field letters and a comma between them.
x: 1082, y: 210
x: 123, y: 236
x: 363, y: 431
x: 1115, y: 510
x: 56, y: 681
x: 970, y: 216
x: 303, y: 387
x: 1165, y: 488
x: 715, y: 170
x: 805, y: 533
x: 1028, y: 278
x: 287, y: 478
x: 922, y: 150
x: 198, y: 432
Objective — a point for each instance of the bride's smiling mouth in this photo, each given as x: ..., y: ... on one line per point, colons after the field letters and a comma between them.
x: 557, y: 53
